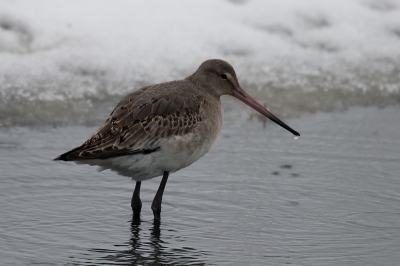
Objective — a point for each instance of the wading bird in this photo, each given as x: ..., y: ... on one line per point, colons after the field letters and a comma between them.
x: 162, y: 128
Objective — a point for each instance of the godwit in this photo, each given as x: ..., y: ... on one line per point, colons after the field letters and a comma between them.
x: 162, y: 128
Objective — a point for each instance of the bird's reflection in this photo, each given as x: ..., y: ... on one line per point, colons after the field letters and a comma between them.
x: 147, y: 247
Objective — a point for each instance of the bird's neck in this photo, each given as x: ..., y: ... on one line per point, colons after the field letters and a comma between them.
x: 203, y: 86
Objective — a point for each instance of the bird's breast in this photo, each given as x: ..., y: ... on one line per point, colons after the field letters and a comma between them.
x: 185, y: 150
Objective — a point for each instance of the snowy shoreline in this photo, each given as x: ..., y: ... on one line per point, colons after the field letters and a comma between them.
x: 69, y: 62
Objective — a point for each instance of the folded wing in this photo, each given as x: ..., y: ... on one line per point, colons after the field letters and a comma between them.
x: 137, y: 125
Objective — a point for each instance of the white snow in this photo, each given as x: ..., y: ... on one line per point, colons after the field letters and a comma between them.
x: 71, y: 51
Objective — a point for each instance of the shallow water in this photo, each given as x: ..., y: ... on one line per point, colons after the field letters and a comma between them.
x: 259, y: 197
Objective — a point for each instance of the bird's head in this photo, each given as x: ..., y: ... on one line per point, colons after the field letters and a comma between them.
x: 218, y: 78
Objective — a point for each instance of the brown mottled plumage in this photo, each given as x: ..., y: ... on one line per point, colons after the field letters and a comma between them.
x: 164, y: 127
x: 141, y: 119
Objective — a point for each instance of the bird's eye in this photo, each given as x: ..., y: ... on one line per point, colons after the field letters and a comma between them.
x: 224, y: 76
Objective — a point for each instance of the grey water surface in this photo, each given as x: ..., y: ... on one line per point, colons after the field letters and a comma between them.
x: 259, y: 197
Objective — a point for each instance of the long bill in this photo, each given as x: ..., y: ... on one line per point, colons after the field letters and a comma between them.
x: 247, y: 99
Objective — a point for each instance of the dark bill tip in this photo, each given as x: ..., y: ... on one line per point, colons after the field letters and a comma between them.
x: 247, y: 99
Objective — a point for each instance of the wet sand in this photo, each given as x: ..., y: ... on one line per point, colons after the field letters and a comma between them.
x: 259, y: 197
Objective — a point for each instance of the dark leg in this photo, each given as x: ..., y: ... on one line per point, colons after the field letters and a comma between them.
x: 156, y: 205
x: 136, y: 203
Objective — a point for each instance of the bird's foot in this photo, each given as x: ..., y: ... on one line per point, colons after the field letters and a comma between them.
x: 156, y: 207
x: 136, y: 206
x: 136, y: 211
x: 157, y: 215
x: 136, y: 203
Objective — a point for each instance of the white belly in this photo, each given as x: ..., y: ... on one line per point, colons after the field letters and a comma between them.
x: 174, y: 154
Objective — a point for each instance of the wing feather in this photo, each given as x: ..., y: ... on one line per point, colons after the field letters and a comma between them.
x: 139, y: 122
